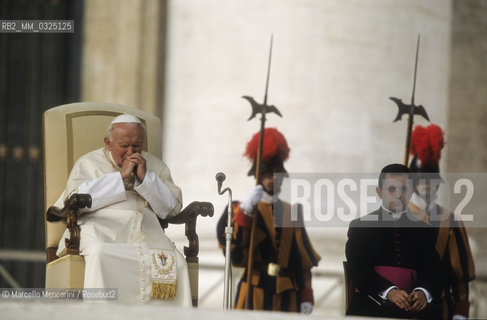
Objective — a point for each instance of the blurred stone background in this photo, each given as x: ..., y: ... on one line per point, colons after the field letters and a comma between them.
x: 334, y: 66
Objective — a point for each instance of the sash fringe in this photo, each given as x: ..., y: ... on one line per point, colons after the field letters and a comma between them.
x: 165, y: 291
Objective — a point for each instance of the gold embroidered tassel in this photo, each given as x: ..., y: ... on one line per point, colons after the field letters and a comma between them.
x: 165, y: 291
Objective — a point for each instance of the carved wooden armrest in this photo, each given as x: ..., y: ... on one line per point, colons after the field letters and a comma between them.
x: 188, y: 217
x: 70, y: 213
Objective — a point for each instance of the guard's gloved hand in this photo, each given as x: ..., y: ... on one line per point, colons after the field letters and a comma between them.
x: 250, y: 202
x: 306, y: 307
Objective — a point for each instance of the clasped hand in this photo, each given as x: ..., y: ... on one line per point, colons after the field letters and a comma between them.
x: 414, y: 301
x: 135, y: 164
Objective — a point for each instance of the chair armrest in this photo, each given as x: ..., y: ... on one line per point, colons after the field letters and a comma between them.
x: 70, y: 212
x: 188, y: 217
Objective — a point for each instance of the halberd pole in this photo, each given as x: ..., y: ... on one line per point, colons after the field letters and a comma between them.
x: 264, y: 108
x: 410, y: 109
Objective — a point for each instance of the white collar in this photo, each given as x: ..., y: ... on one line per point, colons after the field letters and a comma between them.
x: 395, y: 215
x: 110, y: 159
x: 420, y: 203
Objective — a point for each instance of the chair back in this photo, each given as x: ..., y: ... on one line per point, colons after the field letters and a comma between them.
x: 72, y: 130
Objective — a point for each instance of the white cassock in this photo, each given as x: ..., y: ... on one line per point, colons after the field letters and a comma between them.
x: 122, y: 241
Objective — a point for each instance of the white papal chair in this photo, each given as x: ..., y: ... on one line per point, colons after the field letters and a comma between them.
x: 70, y: 131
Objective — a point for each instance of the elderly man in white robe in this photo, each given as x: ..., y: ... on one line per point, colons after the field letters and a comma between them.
x: 122, y: 241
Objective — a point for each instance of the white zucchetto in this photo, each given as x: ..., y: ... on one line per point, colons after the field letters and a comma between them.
x: 126, y: 118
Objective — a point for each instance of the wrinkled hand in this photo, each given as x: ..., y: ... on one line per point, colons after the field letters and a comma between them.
x: 306, y: 307
x: 135, y: 164
x: 419, y: 301
x: 400, y: 298
x: 252, y: 199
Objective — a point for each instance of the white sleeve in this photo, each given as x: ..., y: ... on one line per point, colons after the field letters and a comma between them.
x: 160, y: 198
x: 429, y: 298
x: 383, y: 294
x: 105, y: 190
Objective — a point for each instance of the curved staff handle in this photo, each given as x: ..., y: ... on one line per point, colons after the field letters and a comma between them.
x: 227, y: 288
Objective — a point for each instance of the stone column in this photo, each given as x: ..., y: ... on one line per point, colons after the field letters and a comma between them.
x: 467, y: 121
x: 122, y: 53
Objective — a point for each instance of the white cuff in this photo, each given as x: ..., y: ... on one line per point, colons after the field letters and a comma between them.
x: 459, y: 317
x: 383, y: 294
x: 247, y: 208
x: 429, y: 298
x: 104, y: 190
x: 248, y: 214
x: 160, y: 198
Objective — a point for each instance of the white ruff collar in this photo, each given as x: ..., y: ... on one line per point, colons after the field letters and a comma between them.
x: 420, y: 203
x: 267, y: 198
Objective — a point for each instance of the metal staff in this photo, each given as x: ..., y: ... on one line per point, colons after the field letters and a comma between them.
x: 411, y: 110
x: 262, y: 109
x: 227, y: 291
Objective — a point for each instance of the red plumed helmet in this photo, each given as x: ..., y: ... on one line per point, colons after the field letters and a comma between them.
x: 274, y: 152
x: 426, y: 145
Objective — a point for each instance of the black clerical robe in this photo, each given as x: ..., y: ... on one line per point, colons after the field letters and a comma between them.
x: 380, y: 245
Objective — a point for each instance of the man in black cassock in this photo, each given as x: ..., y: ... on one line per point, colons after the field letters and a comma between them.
x: 391, y: 256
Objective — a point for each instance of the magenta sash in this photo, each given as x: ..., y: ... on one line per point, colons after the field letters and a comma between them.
x: 404, y: 278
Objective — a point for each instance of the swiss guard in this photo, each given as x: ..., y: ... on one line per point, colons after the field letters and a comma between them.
x: 281, y: 258
x: 450, y: 234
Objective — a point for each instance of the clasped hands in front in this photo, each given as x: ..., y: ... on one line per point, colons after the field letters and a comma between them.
x: 135, y: 164
x: 414, y: 301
